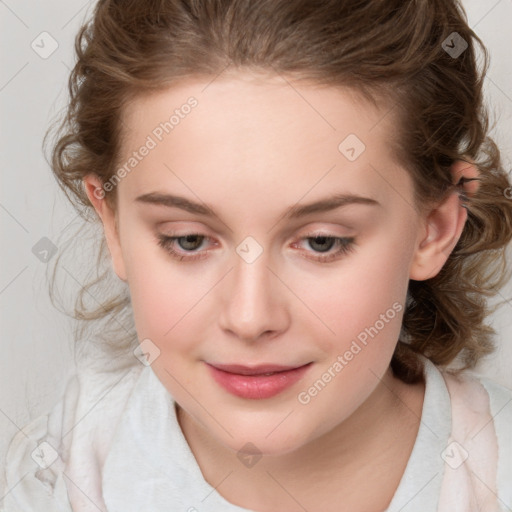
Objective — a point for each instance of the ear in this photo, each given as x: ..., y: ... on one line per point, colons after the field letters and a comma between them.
x: 441, y: 228
x: 96, y: 194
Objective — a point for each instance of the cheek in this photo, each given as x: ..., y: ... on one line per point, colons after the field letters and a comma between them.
x: 366, y: 289
x: 162, y: 296
x: 364, y: 306
x: 380, y: 281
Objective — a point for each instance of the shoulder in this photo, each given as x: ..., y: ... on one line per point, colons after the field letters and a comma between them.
x: 500, y: 400
x: 481, y: 437
x: 38, y: 454
x: 33, y: 463
x: 477, y: 397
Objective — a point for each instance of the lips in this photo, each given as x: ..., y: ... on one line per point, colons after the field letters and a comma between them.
x: 256, y: 382
x: 262, y: 369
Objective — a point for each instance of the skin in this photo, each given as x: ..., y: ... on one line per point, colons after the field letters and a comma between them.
x: 252, y: 147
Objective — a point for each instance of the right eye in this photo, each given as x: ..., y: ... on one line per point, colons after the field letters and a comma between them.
x: 189, y: 243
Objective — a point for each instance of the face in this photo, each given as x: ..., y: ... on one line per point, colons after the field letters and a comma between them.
x: 249, y: 276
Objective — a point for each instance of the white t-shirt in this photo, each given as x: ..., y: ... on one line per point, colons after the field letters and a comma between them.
x: 113, y: 444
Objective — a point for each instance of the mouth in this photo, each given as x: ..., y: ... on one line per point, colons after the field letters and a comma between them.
x: 256, y: 382
x: 262, y: 369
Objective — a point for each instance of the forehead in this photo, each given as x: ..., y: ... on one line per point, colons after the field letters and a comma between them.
x: 260, y: 132
x: 243, y: 100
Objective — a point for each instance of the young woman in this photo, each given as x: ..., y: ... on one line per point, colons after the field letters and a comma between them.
x: 304, y: 208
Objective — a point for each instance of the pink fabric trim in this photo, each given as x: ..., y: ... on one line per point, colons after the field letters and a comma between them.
x: 471, y: 457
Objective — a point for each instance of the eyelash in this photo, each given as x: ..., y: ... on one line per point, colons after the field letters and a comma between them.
x: 346, y: 246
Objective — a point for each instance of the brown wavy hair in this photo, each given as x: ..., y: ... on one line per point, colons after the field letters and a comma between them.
x: 392, y: 52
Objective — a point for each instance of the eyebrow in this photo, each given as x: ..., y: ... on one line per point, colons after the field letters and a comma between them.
x: 323, y: 205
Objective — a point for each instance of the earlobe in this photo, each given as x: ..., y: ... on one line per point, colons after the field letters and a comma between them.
x: 94, y: 190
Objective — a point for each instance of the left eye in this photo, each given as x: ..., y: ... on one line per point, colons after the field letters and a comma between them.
x: 192, y: 242
x: 325, y: 243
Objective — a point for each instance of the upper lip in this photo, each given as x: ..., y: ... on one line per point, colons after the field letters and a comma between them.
x: 253, y: 370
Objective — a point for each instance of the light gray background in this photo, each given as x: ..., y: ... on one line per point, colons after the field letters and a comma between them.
x: 36, y: 340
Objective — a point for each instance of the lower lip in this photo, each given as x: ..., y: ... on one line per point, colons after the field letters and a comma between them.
x: 258, y: 386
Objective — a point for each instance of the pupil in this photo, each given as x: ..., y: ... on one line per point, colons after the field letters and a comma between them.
x: 321, y: 241
x: 190, y: 239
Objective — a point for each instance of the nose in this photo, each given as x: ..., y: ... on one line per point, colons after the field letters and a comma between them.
x: 253, y: 301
